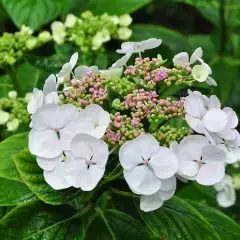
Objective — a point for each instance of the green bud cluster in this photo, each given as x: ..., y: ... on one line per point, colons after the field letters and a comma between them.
x: 179, y: 75
x: 13, y: 46
x: 167, y: 134
x: 90, y: 32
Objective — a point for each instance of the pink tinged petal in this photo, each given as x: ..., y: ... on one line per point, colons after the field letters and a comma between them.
x: 226, y: 198
x: 226, y: 133
x: 195, y: 123
x: 168, y: 184
x: 215, y: 120
x: 45, y: 118
x: 142, y: 180
x: 73, y: 60
x: 56, y: 177
x: 196, y: 54
x: 190, y: 148
x: 44, y: 144
x: 91, y: 177
x: 66, y: 114
x: 150, y: 202
x: 214, y: 102
x: 50, y: 85
x: 194, y: 106
x: 49, y: 164
x: 181, y: 59
x: 164, y: 163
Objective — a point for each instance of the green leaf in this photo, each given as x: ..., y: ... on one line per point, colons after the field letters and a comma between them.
x: 39, y: 221
x: 32, y: 175
x: 116, y: 7
x: 14, y: 193
x: 8, y: 147
x: 115, y: 225
x: 174, y: 40
x: 226, y: 228
x: 5, y: 85
x: 101, y: 60
x: 176, y: 219
x: 32, y: 13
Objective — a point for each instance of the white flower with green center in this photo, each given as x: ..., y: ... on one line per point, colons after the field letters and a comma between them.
x: 12, y: 94
x: 200, y: 161
x: 124, y: 33
x: 145, y: 164
x: 4, y: 116
x: 125, y: 20
x: 200, y: 73
x: 13, y: 125
x: 70, y: 20
x: 226, y: 196
x: 58, y: 32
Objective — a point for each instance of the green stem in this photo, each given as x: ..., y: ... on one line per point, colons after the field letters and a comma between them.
x: 12, y: 74
x: 114, y: 177
x: 123, y: 193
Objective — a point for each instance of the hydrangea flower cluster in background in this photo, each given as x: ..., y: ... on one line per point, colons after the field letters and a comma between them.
x: 90, y: 32
x: 85, y: 117
x: 13, y: 46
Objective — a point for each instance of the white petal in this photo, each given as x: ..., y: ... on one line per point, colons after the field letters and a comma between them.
x: 150, y: 202
x: 49, y: 164
x: 126, y: 47
x: 142, y: 180
x: 181, y: 59
x: 50, y: 85
x: 73, y: 60
x: 211, y: 173
x: 212, y: 153
x: 207, y: 66
x: 174, y: 146
x: 80, y: 71
x: 94, y: 69
x: 215, y: 120
x: 150, y: 44
x: 232, y: 117
x: 227, y: 134
x: 122, y: 61
x: 168, y: 184
x: 104, y: 119
x: 36, y: 101
x: 114, y: 74
x: 211, y: 82
x: 226, y: 198
x: 66, y: 69
x: 214, y: 102
x: 195, y: 123
x: 56, y: 178
x: 196, y: 54
x: 44, y: 144
x: 45, y: 117
x: 233, y: 153
x: 200, y: 73
x: 51, y: 98
x: 164, y: 163
x: 188, y: 169
x: 166, y: 195
x: 194, y: 106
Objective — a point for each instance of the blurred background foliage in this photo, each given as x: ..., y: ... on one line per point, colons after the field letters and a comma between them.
x: 183, y: 25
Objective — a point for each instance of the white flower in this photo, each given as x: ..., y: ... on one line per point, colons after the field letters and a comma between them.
x: 68, y: 67
x: 12, y: 94
x: 100, y: 38
x: 183, y: 57
x: 200, y: 73
x: 53, y: 128
x: 50, y: 85
x: 44, y: 36
x: 200, y: 161
x: 97, y: 119
x: 36, y: 101
x: 145, y: 163
x: 26, y: 30
x: 122, y: 61
x: 125, y: 20
x: 4, y: 116
x: 13, y: 125
x: 28, y: 97
x: 136, y: 47
x: 58, y: 32
x: 114, y: 73
x: 87, y: 165
x: 124, y: 33
x: 226, y: 196
x: 81, y: 71
x: 152, y: 202
x: 70, y: 20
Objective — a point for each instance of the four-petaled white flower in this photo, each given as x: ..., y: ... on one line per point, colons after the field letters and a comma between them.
x: 152, y: 202
x: 200, y: 161
x: 183, y: 57
x: 145, y: 164
x: 226, y: 195
x: 68, y: 67
x: 81, y: 71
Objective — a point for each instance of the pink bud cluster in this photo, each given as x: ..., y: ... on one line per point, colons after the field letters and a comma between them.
x: 90, y: 89
x: 147, y: 72
x: 122, y: 128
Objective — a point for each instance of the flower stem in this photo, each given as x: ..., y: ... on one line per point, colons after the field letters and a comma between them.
x: 114, y: 177
x: 12, y: 74
x: 123, y: 193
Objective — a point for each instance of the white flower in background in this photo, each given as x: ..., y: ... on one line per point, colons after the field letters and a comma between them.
x: 88, y: 161
x: 124, y: 33
x: 125, y: 20
x: 68, y: 67
x: 97, y: 119
x: 200, y: 73
x: 44, y: 36
x: 26, y: 30
x: 100, y: 38
x: 28, y: 97
x: 121, y: 62
x: 31, y: 43
x: 152, y: 202
x: 145, y: 164
x: 226, y: 196
x: 183, y: 57
x: 53, y: 128
x: 114, y: 73
x: 82, y: 70
x: 70, y: 20
x: 12, y: 94
x: 4, y: 116
x: 114, y: 19
x: 13, y: 125
x: 200, y: 161
x: 58, y: 32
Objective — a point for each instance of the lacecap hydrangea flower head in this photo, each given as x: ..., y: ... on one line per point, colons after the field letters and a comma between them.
x: 91, y: 126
